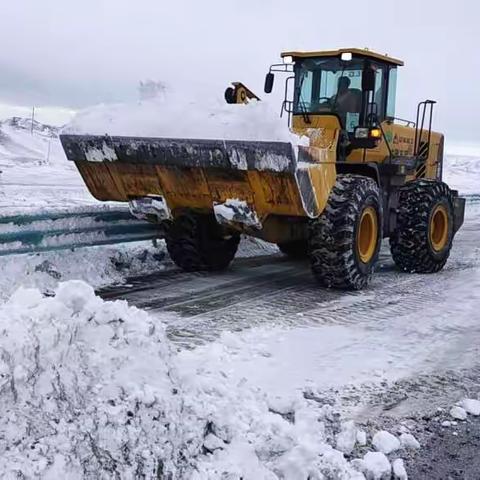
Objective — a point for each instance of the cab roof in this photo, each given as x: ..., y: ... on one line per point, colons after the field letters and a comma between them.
x: 363, y: 52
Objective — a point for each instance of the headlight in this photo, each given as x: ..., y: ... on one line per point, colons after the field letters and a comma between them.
x: 361, y: 132
x: 376, y: 133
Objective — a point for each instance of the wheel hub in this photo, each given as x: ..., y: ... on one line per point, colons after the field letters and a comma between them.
x: 438, y: 230
x: 367, y: 235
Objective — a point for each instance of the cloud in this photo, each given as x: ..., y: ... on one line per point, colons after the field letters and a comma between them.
x: 79, y: 53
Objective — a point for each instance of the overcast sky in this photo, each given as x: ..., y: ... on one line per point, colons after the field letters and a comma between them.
x: 71, y: 54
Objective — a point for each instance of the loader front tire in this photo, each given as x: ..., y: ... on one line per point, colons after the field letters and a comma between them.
x: 297, y: 249
x: 423, y: 237
x: 197, y: 242
x: 345, y: 239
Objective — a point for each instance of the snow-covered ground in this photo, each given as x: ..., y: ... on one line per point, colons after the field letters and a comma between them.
x: 95, y: 389
x: 35, y: 173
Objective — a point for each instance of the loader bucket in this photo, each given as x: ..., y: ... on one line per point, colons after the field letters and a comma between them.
x: 271, y: 178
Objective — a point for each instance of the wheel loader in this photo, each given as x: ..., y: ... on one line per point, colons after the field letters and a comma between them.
x: 364, y: 175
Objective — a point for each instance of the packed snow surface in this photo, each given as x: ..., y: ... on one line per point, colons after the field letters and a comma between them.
x: 174, y: 115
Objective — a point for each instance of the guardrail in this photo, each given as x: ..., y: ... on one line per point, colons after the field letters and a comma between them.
x: 54, y: 230
x: 472, y: 198
x: 57, y: 230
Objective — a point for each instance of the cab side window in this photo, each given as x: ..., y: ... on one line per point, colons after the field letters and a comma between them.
x: 392, y: 88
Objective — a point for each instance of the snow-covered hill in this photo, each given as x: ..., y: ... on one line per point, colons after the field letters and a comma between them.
x: 35, y: 173
x: 23, y: 141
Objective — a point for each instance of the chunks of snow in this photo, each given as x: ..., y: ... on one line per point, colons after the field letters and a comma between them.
x: 471, y: 406
x: 75, y: 295
x: 376, y: 466
x: 407, y: 440
x: 347, y: 437
x: 458, y: 412
x: 385, y: 442
x: 361, y: 438
x: 101, y: 154
x: 235, y: 210
x: 399, y: 472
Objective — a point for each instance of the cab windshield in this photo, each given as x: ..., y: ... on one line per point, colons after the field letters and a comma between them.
x: 324, y: 85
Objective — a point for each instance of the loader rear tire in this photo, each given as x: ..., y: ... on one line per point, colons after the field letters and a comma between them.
x: 345, y: 239
x: 423, y: 238
x: 197, y: 242
x: 297, y: 249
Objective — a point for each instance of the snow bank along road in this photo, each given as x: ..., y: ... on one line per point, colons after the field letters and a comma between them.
x: 401, y: 336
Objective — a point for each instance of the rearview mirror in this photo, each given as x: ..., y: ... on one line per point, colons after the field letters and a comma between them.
x: 269, y: 82
x: 368, y: 79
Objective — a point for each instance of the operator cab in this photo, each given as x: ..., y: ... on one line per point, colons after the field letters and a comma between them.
x: 358, y: 86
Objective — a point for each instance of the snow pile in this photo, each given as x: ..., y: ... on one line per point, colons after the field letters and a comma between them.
x: 176, y: 115
x: 87, y: 388
x: 92, y: 389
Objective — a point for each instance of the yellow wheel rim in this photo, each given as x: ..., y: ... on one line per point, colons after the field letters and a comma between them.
x: 367, y: 234
x: 438, y: 230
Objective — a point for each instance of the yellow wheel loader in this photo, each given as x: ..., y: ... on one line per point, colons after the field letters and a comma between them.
x: 365, y: 175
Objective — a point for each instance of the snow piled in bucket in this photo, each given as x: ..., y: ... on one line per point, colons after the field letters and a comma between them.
x: 173, y: 114
x: 93, y: 389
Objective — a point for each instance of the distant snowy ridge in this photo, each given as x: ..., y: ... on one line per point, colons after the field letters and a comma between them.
x: 23, y: 141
